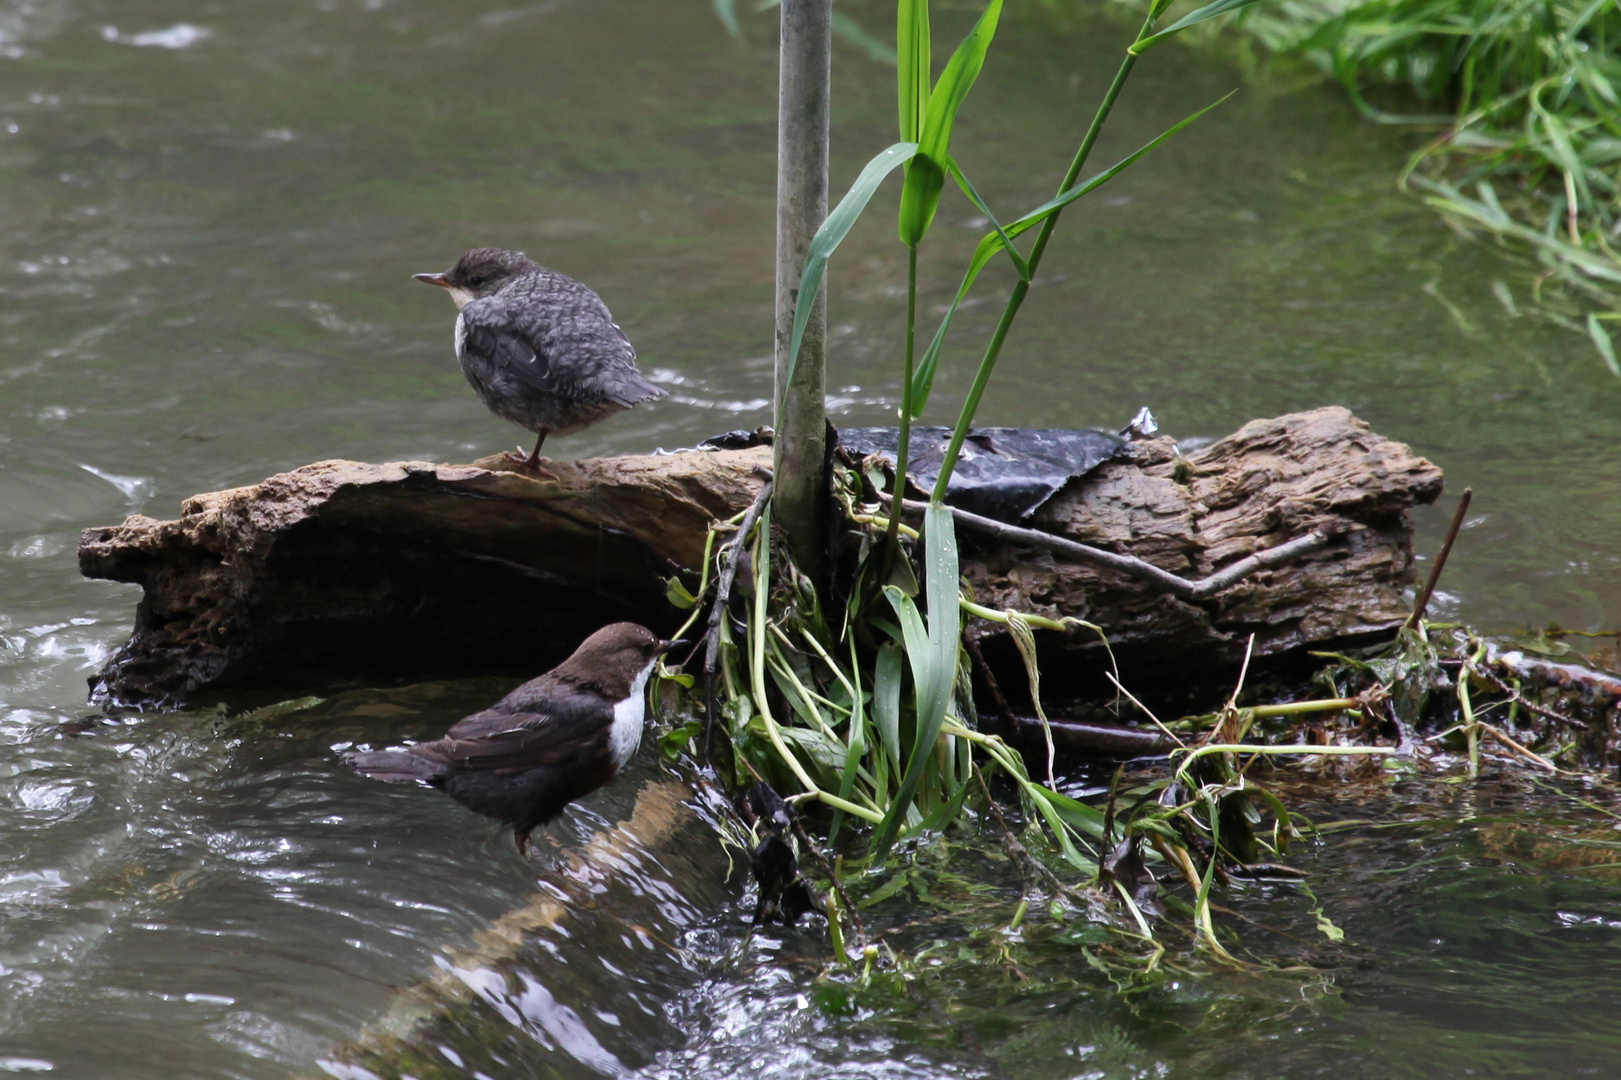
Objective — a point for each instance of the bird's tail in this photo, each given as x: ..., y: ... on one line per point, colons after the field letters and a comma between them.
x: 394, y: 766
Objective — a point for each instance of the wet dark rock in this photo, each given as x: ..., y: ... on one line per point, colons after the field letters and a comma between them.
x: 784, y: 895
x: 1003, y: 473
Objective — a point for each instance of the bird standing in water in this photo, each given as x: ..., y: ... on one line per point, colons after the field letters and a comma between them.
x: 541, y: 349
x: 554, y: 739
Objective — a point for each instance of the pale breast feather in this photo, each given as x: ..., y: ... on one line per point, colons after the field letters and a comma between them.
x: 626, y: 734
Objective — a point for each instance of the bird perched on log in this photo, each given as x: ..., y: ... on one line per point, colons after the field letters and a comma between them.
x: 554, y: 739
x: 541, y: 349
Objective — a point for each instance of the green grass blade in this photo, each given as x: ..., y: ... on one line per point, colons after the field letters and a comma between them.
x: 831, y: 234
x: 857, y: 749
x: 913, y: 66
x: 934, y: 661
x: 1192, y: 18
x: 914, y: 631
x: 993, y: 243
x: 1085, y: 819
x: 955, y: 81
x: 1604, y: 343
x: 886, y: 702
x: 1062, y: 200
x: 926, y: 178
x: 969, y: 190
x: 1042, y: 798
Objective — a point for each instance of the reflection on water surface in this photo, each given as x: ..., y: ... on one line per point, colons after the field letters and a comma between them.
x: 212, y: 212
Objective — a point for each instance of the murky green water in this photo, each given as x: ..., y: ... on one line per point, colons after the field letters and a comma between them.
x: 208, y: 216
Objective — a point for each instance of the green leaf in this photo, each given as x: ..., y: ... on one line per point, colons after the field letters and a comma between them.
x: 912, y: 62
x: 955, y: 82
x: 992, y: 243
x: 915, y: 633
x: 1604, y: 343
x: 1193, y: 18
x: 968, y: 189
x: 886, y: 701
x: 1085, y: 819
x: 1326, y: 926
x: 885, y: 891
x: 831, y: 234
x: 925, y: 178
x: 825, y: 752
x: 945, y: 813
x: 1058, y: 202
x: 857, y: 740
x: 672, y: 742
x: 934, y: 660
x: 920, y: 197
x: 678, y: 594
x: 1043, y: 798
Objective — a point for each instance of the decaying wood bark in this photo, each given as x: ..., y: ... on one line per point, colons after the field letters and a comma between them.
x: 346, y: 570
x: 342, y: 570
x: 1271, y: 481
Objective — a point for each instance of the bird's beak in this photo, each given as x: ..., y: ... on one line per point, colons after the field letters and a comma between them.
x: 670, y: 646
x: 433, y: 279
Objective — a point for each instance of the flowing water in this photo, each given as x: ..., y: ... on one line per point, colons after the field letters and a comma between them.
x: 210, y: 215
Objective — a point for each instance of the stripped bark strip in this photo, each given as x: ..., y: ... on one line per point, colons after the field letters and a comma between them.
x: 1177, y: 586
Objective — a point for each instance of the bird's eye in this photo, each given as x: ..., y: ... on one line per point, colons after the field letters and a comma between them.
x: 476, y: 281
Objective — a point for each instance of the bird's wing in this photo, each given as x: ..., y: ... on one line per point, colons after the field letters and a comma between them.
x: 570, y: 731
x: 558, y: 337
x: 496, y: 338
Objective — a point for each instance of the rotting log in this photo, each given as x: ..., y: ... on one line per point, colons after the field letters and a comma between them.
x: 1272, y: 482
x: 342, y: 570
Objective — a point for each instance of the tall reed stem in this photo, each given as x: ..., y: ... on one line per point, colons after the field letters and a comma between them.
x: 903, y: 445
x: 982, y: 378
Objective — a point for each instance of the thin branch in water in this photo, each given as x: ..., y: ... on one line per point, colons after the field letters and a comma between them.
x: 723, y: 597
x: 1003, y: 709
x: 1440, y: 560
x: 832, y: 876
x: 1146, y: 711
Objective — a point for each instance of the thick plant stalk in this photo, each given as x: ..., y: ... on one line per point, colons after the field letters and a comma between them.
x: 803, y: 89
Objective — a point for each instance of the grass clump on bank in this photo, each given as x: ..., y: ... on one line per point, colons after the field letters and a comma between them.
x: 1524, y: 98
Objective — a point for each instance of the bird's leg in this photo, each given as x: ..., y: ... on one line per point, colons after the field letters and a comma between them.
x: 532, y: 462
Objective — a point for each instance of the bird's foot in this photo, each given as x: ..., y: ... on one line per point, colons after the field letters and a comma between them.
x: 532, y: 463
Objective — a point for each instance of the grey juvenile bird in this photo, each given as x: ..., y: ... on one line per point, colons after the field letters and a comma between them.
x: 552, y: 740
x: 541, y: 349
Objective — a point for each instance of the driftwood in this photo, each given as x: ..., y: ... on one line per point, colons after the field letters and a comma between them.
x: 1269, y: 486
x: 342, y: 570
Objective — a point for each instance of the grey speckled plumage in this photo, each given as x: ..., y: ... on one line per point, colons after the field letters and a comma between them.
x: 540, y: 349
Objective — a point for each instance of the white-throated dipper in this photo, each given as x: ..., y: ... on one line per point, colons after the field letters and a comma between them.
x: 541, y: 349
x: 552, y: 740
